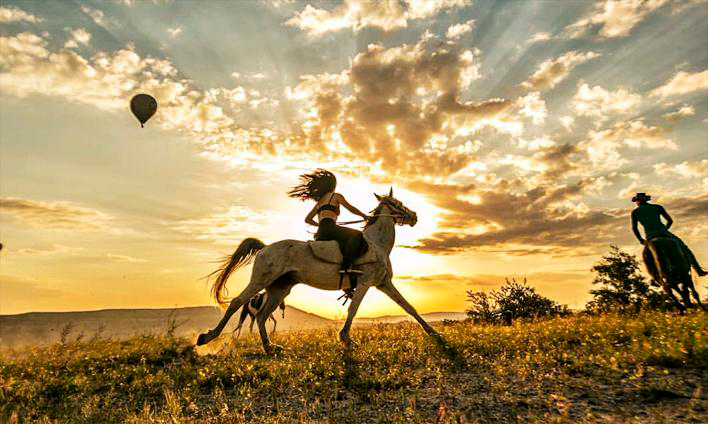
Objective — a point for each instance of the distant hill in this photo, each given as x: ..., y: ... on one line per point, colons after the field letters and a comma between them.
x: 36, y: 328
x: 40, y: 328
x: 432, y: 316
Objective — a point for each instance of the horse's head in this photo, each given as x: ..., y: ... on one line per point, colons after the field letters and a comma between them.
x: 400, y: 214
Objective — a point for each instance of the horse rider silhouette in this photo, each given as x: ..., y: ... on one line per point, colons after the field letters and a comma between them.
x: 649, y: 215
x: 320, y: 186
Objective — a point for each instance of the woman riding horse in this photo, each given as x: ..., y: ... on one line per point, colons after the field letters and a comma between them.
x: 320, y: 186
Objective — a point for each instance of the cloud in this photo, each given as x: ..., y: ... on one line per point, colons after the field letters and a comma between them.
x: 55, y: 249
x: 398, y: 109
x: 553, y: 71
x: 686, y: 169
x: 508, y: 218
x: 458, y: 280
x: 55, y: 215
x: 227, y: 227
x: 539, y: 36
x: 537, y: 143
x: 174, y: 32
x: 14, y: 14
x: 679, y: 6
x: 494, y: 280
x: 602, y: 147
x: 97, y: 16
x: 682, y: 83
x: 78, y: 37
x: 567, y: 122
x: 387, y: 15
x: 123, y: 258
x: 676, y: 116
x: 693, y: 208
x: 598, y: 103
x: 104, y: 80
x: 107, y: 80
x: 458, y: 30
x: 533, y: 106
x: 613, y: 18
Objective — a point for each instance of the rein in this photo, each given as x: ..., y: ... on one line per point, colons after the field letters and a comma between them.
x: 364, y: 220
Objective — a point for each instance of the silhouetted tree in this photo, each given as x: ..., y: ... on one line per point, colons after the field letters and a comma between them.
x: 512, y: 301
x: 622, y: 287
x: 482, y: 307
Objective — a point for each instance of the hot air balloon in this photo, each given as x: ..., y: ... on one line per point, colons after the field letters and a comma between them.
x: 143, y: 107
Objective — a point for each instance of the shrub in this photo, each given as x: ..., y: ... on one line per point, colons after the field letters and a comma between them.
x: 622, y: 287
x: 512, y: 301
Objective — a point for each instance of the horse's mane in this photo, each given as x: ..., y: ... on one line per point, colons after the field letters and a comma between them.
x: 375, y: 215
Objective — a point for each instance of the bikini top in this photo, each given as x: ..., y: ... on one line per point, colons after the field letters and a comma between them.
x: 329, y: 207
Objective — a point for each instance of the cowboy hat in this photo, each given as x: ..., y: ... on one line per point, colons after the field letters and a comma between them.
x: 641, y: 197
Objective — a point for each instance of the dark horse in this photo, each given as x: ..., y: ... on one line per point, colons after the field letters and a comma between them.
x: 669, y: 267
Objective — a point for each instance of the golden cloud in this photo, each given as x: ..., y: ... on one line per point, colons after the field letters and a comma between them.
x: 55, y: 215
x: 682, y: 83
x: 553, y: 71
x: 357, y: 14
x: 613, y: 18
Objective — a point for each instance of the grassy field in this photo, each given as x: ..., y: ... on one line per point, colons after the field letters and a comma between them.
x: 647, y: 368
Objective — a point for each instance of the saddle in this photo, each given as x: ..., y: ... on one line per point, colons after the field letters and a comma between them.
x: 328, y: 251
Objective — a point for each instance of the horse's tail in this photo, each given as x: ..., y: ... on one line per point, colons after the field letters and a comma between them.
x: 244, y: 254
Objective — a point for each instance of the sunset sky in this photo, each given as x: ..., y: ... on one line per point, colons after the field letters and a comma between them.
x: 518, y: 131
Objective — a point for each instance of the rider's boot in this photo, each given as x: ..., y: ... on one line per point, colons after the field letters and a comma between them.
x: 348, y: 292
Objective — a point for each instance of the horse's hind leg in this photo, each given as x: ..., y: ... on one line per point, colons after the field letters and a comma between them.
x: 242, y: 318
x: 262, y: 276
x: 234, y: 306
x: 276, y: 293
x: 689, y: 283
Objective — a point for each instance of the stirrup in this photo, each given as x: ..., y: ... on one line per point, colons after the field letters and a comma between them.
x: 347, y: 295
x: 351, y: 271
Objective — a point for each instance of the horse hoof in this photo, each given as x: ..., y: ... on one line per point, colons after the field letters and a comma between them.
x: 203, y: 339
x: 348, y: 343
x: 274, y: 349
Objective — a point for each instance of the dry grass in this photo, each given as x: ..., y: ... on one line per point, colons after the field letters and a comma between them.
x: 647, y: 368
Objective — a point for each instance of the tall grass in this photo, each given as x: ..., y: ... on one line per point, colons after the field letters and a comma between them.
x: 651, y: 367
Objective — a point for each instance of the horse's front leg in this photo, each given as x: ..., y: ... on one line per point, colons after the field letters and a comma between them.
x: 392, y: 293
x: 359, y: 293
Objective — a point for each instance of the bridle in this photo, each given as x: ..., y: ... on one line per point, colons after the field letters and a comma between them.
x: 401, y: 215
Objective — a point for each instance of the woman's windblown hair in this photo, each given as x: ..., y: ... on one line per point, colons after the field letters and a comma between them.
x: 314, y: 186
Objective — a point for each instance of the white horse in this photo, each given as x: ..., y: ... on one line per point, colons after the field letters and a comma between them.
x: 281, y: 265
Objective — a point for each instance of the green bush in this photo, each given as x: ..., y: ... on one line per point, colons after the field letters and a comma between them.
x: 513, y: 301
x: 622, y: 287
